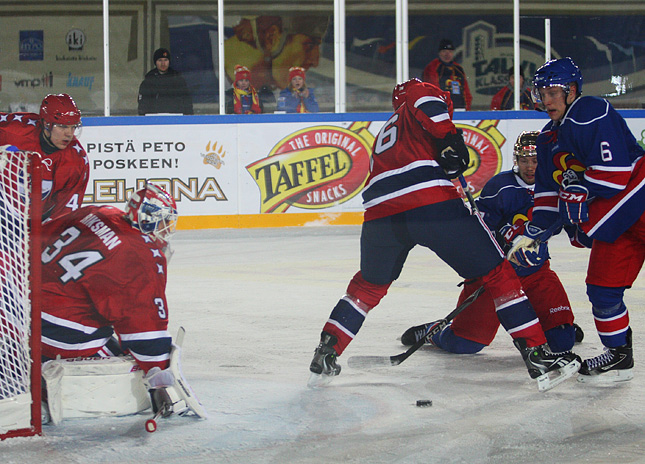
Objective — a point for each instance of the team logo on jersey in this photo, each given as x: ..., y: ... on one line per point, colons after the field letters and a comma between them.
x: 484, y: 143
x: 314, y: 168
x: 214, y: 155
x: 567, y: 168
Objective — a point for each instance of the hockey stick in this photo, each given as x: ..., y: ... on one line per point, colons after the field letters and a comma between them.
x: 365, y: 362
x: 471, y: 200
x: 163, y: 411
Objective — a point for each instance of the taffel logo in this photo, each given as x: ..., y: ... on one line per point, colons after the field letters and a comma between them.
x: 75, y: 39
x: 46, y: 80
x: 31, y: 46
x: 484, y: 143
x: 314, y: 168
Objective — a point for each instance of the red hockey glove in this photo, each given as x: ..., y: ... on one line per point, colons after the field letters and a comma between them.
x: 573, y: 203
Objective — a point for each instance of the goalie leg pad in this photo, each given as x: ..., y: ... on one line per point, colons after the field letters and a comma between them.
x: 94, y: 387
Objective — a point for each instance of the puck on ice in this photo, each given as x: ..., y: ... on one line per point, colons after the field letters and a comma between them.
x: 424, y: 403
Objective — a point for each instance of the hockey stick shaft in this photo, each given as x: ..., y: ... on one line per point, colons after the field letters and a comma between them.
x: 469, y: 196
x: 374, y: 361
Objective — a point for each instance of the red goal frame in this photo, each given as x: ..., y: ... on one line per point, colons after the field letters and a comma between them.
x: 35, y: 241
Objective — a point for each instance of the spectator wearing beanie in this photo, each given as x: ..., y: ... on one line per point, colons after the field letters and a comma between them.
x: 163, y: 89
x: 242, y: 98
x: 449, y: 75
x: 298, y: 98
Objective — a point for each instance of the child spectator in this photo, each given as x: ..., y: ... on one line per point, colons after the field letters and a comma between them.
x: 297, y: 97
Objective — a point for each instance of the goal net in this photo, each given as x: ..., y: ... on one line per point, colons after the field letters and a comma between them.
x: 20, y: 220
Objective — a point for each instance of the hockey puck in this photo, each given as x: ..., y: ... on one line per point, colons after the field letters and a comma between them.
x: 424, y: 403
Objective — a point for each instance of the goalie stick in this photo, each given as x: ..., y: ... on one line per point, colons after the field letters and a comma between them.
x: 366, y: 362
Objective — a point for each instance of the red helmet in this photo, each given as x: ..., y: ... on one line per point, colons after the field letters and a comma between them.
x: 60, y: 109
x: 153, y: 211
x: 399, y: 92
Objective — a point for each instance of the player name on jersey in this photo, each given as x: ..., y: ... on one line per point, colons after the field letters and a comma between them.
x: 102, y: 231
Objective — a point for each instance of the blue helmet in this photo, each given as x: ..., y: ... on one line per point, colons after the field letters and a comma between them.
x: 558, y: 72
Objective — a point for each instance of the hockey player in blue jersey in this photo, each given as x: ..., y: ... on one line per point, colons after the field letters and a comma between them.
x: 506, y: 204
x: 591, y: 172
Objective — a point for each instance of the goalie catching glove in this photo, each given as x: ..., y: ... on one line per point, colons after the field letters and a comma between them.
x: 529, y: 249
x: 454, y: 156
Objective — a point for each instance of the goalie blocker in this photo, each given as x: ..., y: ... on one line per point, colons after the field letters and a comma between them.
x: 115, y: 386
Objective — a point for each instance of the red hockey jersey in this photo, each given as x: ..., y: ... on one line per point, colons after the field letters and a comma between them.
x: 65, y: 172
x: 101, y: 275
x: 404, y: 173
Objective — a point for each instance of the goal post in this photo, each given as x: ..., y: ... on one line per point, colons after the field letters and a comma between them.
x: 20, y: 295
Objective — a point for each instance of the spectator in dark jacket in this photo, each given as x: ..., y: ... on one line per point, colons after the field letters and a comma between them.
x: 505, y: 98
x: 163, y: 90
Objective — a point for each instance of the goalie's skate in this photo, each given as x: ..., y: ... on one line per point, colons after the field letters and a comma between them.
x: 548, y: 369
x: 612, y: 366
x: 323, y: 366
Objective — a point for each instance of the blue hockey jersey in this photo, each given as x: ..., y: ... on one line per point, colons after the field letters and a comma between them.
x: 592, y: 145
x: 506, y: 200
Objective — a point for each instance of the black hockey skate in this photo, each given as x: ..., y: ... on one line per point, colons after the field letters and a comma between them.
x: 614, y: 365
x: 416, y: 333
x: 549, y: 369
x: 324, y: 367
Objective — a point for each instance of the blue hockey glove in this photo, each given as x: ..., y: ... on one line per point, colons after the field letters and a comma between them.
x: 577, y: 237
x: 454, y: 156
x: 527, y: 250
x: 573, y: 203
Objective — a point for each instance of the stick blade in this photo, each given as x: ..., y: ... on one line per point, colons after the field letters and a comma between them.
x: 368, y: 362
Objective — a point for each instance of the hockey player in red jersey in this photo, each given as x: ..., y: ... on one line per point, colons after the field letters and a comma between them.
x: 591, y: 172
x: 104, y: 272
x: 410, y: 200
x: 52, y: 133
x: 506, y: 204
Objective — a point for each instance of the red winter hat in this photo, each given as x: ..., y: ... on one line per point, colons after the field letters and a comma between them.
x: 242, y: 72
x: 296, y: 71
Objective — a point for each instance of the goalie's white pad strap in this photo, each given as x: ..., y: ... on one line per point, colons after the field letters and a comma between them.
x: 91, y: 387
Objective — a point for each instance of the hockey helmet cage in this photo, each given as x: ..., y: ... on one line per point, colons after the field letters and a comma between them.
x: 561, y: 73
x: 60, y: 109
x: 153, y: 211
x: 399, y: 92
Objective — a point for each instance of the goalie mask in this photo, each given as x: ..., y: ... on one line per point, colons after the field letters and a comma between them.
x: 153, y: 211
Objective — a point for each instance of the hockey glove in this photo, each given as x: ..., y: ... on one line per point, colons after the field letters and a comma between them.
x: 573, y: 203
x: 454, y: 156
x: 509, y: 232
x: 577, y: 237
x: 527, y: 250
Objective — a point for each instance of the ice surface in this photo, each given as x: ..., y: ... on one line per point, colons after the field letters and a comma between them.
x: 253, y: 303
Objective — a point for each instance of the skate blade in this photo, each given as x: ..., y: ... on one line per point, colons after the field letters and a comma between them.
x: 608, y: 378
x: 554, y: 378
x: 319, y: 380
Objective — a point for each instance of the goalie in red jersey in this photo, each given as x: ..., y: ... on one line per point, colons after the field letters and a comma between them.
x: 410, y: 200
x: 52, y: 133
x: 104, y: 271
